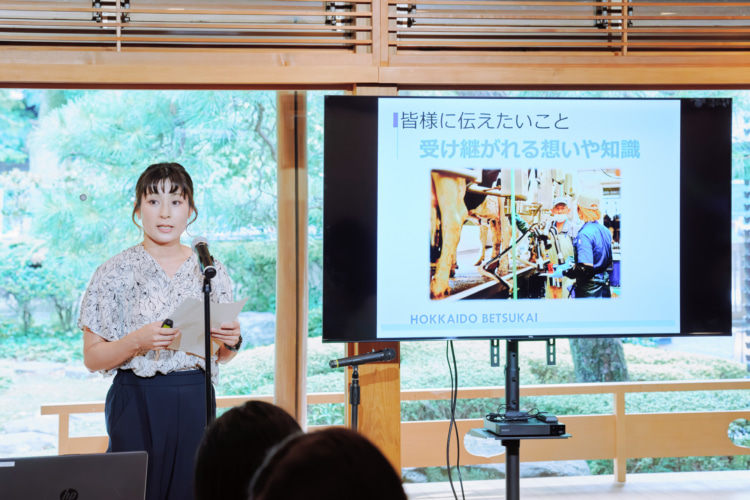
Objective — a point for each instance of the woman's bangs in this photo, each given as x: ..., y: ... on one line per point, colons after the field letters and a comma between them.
x: 178, y: 183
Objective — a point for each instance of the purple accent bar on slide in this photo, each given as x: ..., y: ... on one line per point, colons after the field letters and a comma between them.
x: 395, y: 120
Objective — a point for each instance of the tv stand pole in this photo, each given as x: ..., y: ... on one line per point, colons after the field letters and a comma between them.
x: 513, y: 413
x: 512, y: 408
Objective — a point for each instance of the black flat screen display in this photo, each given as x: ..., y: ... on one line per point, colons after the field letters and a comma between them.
x: 450, y: 218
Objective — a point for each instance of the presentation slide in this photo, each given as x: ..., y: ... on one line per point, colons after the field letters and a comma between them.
x: 527, y: 217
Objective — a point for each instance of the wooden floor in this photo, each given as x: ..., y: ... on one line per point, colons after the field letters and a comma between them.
x: 729, y: 485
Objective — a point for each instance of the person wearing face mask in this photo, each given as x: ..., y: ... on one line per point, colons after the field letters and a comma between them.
x: 560, y: 231
x: 593, y: 252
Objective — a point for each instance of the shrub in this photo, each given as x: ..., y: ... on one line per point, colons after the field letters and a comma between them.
x: 252, y: 266
x: 251, y: 372
x: 40, y: 343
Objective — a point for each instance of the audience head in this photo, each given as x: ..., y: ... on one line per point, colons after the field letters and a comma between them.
x: 335, y: 463
x: 234, y: 447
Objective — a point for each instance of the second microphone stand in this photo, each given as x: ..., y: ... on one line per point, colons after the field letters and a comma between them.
x: 354, y: 361
x: 354, y: 396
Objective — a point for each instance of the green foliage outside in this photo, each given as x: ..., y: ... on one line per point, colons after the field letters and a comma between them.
x: 67, y: 207
x: 251, y: 372
x: 72, y: 210
x: 440, y: 474
x: 15, y: 123
x: 424, y: 365
x: 315, y: 284
x: 43, y: 343
x: 252, y: 266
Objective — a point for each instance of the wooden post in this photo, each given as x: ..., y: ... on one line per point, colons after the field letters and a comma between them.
x: 379, y: 415
x: 380, y: 383
x: 290, y: 388
x: 620, y: 434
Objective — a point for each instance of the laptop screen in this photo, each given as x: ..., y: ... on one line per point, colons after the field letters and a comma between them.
x: 114, y: 476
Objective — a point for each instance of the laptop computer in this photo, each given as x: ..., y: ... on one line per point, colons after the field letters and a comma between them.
x: 110, y: 476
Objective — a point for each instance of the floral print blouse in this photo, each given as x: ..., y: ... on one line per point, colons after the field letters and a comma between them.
x: 131, y: 290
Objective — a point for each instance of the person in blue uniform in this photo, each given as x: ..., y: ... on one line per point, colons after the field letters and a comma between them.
x: 157, y: 399
x: 593, y: 252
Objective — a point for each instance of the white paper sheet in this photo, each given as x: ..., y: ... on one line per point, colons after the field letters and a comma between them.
x: 189, y: 319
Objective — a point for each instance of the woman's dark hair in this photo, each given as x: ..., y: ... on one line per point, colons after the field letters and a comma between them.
x: 234, y: 447
x: 154, y: 178
x: 332, y: 464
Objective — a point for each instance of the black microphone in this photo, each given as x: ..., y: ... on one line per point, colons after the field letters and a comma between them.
x: 384, y: 355
x: 200, y: 247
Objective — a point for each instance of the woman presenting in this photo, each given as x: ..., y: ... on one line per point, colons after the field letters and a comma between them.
x: 156, y: 399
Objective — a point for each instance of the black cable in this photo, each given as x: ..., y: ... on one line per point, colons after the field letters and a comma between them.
x: 455, y: 425
x: 533, y: 413
x: 452, y: 424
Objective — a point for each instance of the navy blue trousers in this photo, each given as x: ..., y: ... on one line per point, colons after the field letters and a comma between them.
x: 165, y: 416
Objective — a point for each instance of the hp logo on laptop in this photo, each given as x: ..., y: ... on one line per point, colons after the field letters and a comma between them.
x: 69, y: 494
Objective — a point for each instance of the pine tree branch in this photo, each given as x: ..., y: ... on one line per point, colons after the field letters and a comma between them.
x: 259, y: 131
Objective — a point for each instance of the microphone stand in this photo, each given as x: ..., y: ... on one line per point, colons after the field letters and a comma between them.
x: 210, y: 411
x: 354, y: 362
x: 354, y: 396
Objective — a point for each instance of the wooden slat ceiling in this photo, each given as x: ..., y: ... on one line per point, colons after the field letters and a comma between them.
x: 427, y: 27
x: 162, y: 25
x: 565, y: 26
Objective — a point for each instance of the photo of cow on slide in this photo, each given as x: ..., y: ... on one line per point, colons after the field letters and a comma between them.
x: 563, y: 242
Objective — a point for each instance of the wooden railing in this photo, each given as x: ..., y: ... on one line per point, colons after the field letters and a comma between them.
x: 68, y: 445
x: 617, y: 436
